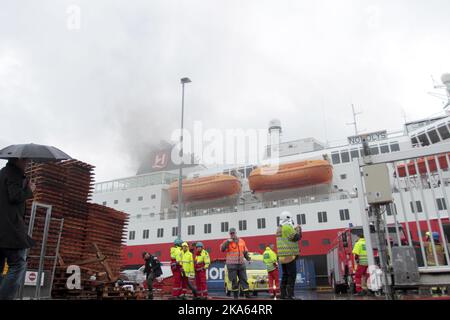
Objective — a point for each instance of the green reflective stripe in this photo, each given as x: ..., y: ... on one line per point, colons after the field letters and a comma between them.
x: 285, y: 247
x: 363, y: 260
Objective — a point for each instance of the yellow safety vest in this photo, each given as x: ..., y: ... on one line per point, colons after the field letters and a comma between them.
x: 439, y: 253
x: 203, y: 257
x: 287, y: 249
x: 270, y: 259
x: 187, y: 262
x: 360, y: 250
x: 175, y: 254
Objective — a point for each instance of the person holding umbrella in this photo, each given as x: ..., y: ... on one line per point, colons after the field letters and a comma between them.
x: 15, y: 189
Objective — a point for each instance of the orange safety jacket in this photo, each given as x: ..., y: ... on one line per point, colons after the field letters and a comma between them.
x: 235, y: 251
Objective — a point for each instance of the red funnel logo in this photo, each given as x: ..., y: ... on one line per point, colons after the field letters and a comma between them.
x: 160, y: 161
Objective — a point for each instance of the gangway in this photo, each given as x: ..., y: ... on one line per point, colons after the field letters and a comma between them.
x: 408, y: 189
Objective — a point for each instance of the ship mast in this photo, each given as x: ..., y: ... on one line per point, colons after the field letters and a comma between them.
x: 354, y: 123
x: 446, y: 81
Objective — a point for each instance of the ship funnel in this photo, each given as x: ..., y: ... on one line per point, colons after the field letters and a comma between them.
x: 274, y: 125
x: 274, y: 138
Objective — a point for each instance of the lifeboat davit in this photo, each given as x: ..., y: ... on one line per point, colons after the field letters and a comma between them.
x: 206, y: 188
x: 291, y: 175
x: 422, y: 167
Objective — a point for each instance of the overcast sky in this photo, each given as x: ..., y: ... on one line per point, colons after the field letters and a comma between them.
x: 108, y: 89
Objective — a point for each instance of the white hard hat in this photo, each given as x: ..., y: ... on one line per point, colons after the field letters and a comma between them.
x: 285, y: 215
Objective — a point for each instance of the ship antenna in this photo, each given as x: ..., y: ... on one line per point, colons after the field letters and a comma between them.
x: 354, y: 123
x: 444, y: 86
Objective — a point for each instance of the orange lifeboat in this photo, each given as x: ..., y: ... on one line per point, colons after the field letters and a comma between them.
x: 432, y: 165
x: 206, y: 188
x: 292, y: 175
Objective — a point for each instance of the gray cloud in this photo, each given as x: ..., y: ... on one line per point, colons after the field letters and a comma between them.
x: 106, y: 92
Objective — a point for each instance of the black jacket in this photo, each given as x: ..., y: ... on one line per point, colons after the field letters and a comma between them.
x: 14, y: 191
x: 152, y: 265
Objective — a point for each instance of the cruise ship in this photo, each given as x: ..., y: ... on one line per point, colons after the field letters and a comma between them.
x: 315, y: 182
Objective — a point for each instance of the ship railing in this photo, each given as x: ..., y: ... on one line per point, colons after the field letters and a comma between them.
x: 258, y: 205
x: 157, y: 178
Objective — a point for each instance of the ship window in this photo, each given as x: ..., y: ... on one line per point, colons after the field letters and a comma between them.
x: 424, y: 140
x: 326, y: 241
x: 153, y: 196
x: 305, y: 243
x: 132, y: 235
x: 224, y: 227
x: 441, y: 204
x: 140, y: 198
x: 160, y: 233
x: 191, y: 230
x: 374, y: 150
x: 419, y: 206
x: 388, y: 210
x: 354, y: 153
x: 301, y: 219
x: 344, y: 214
x: 384, y: 148
x: 146, y: 234
x: 414, y: 141
x: 322, y: 216
x: 174, y: 231
x: 242, y: 225
x: 395, y: 147
x: 104, y: 203
x: 335, y: 158
x: 207, y: 228
x: 443, y: 131
x: 343, y: 176
x: 116, y: 201
x: 127, y: 200
x: 261, y: 223
x: 345, y: 156
x: 433, y: 135
x: 361, y: 152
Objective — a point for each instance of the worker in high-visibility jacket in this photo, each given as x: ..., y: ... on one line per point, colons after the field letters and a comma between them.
x: 440, y: 253
x: 288, y: 235
x: 187, y: 263
x: 175, y: 266
x: 360, y: 253
x: 270, y: 259
x: 201, y: 265
x: 236, y: 251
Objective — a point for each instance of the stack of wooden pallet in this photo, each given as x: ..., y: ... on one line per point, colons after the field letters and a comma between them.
x: 88, y: 228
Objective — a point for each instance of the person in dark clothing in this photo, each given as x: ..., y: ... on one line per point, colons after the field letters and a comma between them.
x: 15, y: 189
x: 152, y: 270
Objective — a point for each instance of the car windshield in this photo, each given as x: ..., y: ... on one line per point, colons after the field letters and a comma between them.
x: 255, y: 265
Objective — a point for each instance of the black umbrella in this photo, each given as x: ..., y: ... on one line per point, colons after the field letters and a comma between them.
x: 35, y: 152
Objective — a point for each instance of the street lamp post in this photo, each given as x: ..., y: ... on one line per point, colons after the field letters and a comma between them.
x: 180, y: 174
